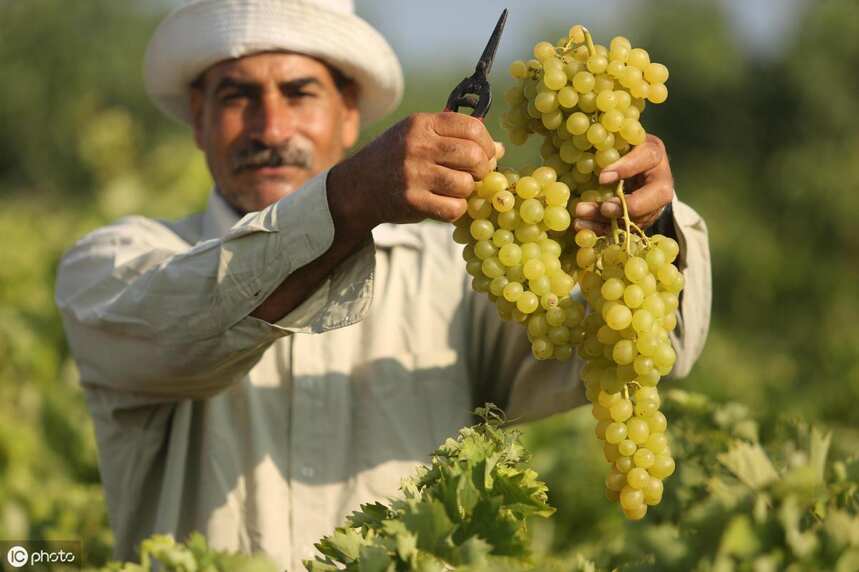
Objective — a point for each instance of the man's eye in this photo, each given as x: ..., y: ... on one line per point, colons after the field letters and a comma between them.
x: 233, y: 96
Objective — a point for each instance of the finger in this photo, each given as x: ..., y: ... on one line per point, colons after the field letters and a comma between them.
x: 451, y: 183
x: 443, y: 208
x: 648, y: 199
x: 450, y: 124
x: 499, y: 150
x: 599, y: 228
x: 590, y: 211
x: 462, y: 155
x: 641, y: 159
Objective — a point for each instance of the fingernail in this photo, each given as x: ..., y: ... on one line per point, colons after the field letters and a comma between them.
x: 582, y: 209
x: 608, y: 177
x: 610, y: 210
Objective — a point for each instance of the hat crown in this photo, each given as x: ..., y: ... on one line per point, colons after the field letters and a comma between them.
x: 341, y: 6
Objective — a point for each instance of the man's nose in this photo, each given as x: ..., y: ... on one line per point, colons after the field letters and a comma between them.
x: 273, y: 121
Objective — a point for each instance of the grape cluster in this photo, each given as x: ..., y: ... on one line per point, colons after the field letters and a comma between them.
x: 515, y: 237
x: 585, y: 100
x: 632, y: 286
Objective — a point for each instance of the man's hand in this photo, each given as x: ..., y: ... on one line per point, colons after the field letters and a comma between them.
x: 423, y: 167
x: 647, y: 174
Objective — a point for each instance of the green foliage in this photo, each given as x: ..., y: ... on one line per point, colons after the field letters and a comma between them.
x: 467, y: 509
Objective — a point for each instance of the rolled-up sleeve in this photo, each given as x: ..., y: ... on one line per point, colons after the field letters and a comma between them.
x: 148, y: 313
x: 508, y: 374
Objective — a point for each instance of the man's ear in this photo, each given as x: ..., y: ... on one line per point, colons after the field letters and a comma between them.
x: 197, y: 101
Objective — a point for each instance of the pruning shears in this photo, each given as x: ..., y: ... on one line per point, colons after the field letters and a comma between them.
x: 474, y: 91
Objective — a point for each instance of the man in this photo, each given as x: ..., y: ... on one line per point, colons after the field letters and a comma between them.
x: 258, y: 370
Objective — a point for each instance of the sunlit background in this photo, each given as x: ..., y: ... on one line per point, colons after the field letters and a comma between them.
x: 761, y: 126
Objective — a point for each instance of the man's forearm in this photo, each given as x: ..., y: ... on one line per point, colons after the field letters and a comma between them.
x: 351, y: 231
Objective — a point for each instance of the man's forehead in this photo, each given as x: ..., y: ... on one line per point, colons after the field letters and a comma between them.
x: 259, y: 65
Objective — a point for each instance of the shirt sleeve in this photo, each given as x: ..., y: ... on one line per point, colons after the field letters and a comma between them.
x: 147, y: 314
x: 506, y: 372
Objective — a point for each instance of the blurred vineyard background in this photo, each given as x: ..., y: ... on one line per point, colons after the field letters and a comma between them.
x: 764, y: 146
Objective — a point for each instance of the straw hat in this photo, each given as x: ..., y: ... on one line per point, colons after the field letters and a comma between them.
x: 201, y: 33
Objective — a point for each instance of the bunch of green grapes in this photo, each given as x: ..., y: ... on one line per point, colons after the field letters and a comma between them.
x: 633, y: 287
x: 585, y: 100
x: 515, y: 234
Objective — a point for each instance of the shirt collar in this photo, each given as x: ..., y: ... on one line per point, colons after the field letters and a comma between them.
x: 219, y: 218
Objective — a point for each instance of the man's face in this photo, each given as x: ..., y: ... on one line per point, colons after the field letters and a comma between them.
x: 269, y: 122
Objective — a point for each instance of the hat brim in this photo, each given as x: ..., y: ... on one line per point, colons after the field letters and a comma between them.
x: 199, y: 35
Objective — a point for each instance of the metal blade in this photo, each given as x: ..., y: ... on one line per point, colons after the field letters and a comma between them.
x: 484, y: 64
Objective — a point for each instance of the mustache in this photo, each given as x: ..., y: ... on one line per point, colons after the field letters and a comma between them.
x: 257, y: 155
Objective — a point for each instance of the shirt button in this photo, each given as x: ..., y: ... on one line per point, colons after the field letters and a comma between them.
x: 307, y: 472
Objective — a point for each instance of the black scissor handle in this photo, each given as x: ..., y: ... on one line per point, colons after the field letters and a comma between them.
x: 472, y: 93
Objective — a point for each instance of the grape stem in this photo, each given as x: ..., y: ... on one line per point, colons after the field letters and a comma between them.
x: 627, y: 221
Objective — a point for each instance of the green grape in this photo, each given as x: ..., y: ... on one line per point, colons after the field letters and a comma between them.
x: 623, y: 352
x: 494, y: 182
x: 484, y: 249
x: 612, y: 289
x: 631, y: 498
x: 608, y: 399
x: 657, y: 93
x: 502, y: 237
x: 596, y: 133
x: 614, y: 68
x: 533, y: 269
x: 607, y: 336
x: 635, y: 513
x: 492, y: 267
x: 597, y: 64
x: 653, y: 491
x: 481, y: 229
x: 496, y: 286
x: 510, y: 254
x: 638, y: 430
x: 503, y: 201
x: 635, y: 269
x: 663, y: 467
x: 519, y: 69
x: 544, y: 176
x: 657, y: 442
x: 553, y: 120
x: 578, y: 123
x: 540, y: 286
x: 583, y: 82
x: 621, y: 410
x: 624, y: 463
x: 567, y: 97
x: 513, y: 291
x: 559, y: 335
x: 618, y: 317
x: 633, y: 296
x: 638, y: 58
x: 527, y: 302
x: 555, y: 79
x: 527, y: 232
x: 549, y: 300
x: 656, y: 73
x: 620, y: 42
x: 479, y: 208
x: 606, y: 100
x: 585, y: 257
x: 546, y: 101
x: 588, y: 102
x: 461, y: 235
x: 542, y: 348
x: 627, y: 448
x: 643, y: 365
x: 527, y: 187
x: 616, y: 432
x: 586, y: 163
x: 586, y: 238
x: 531, y: 211
x: 544, y: 51
x: 557, y: 194
x: 615, y: 481
x: 531, y: 250
x: 637, y: 477
x: 557, y: 218
x: 644, y: 458
x: 480, y: 284
x: 509, y: 220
